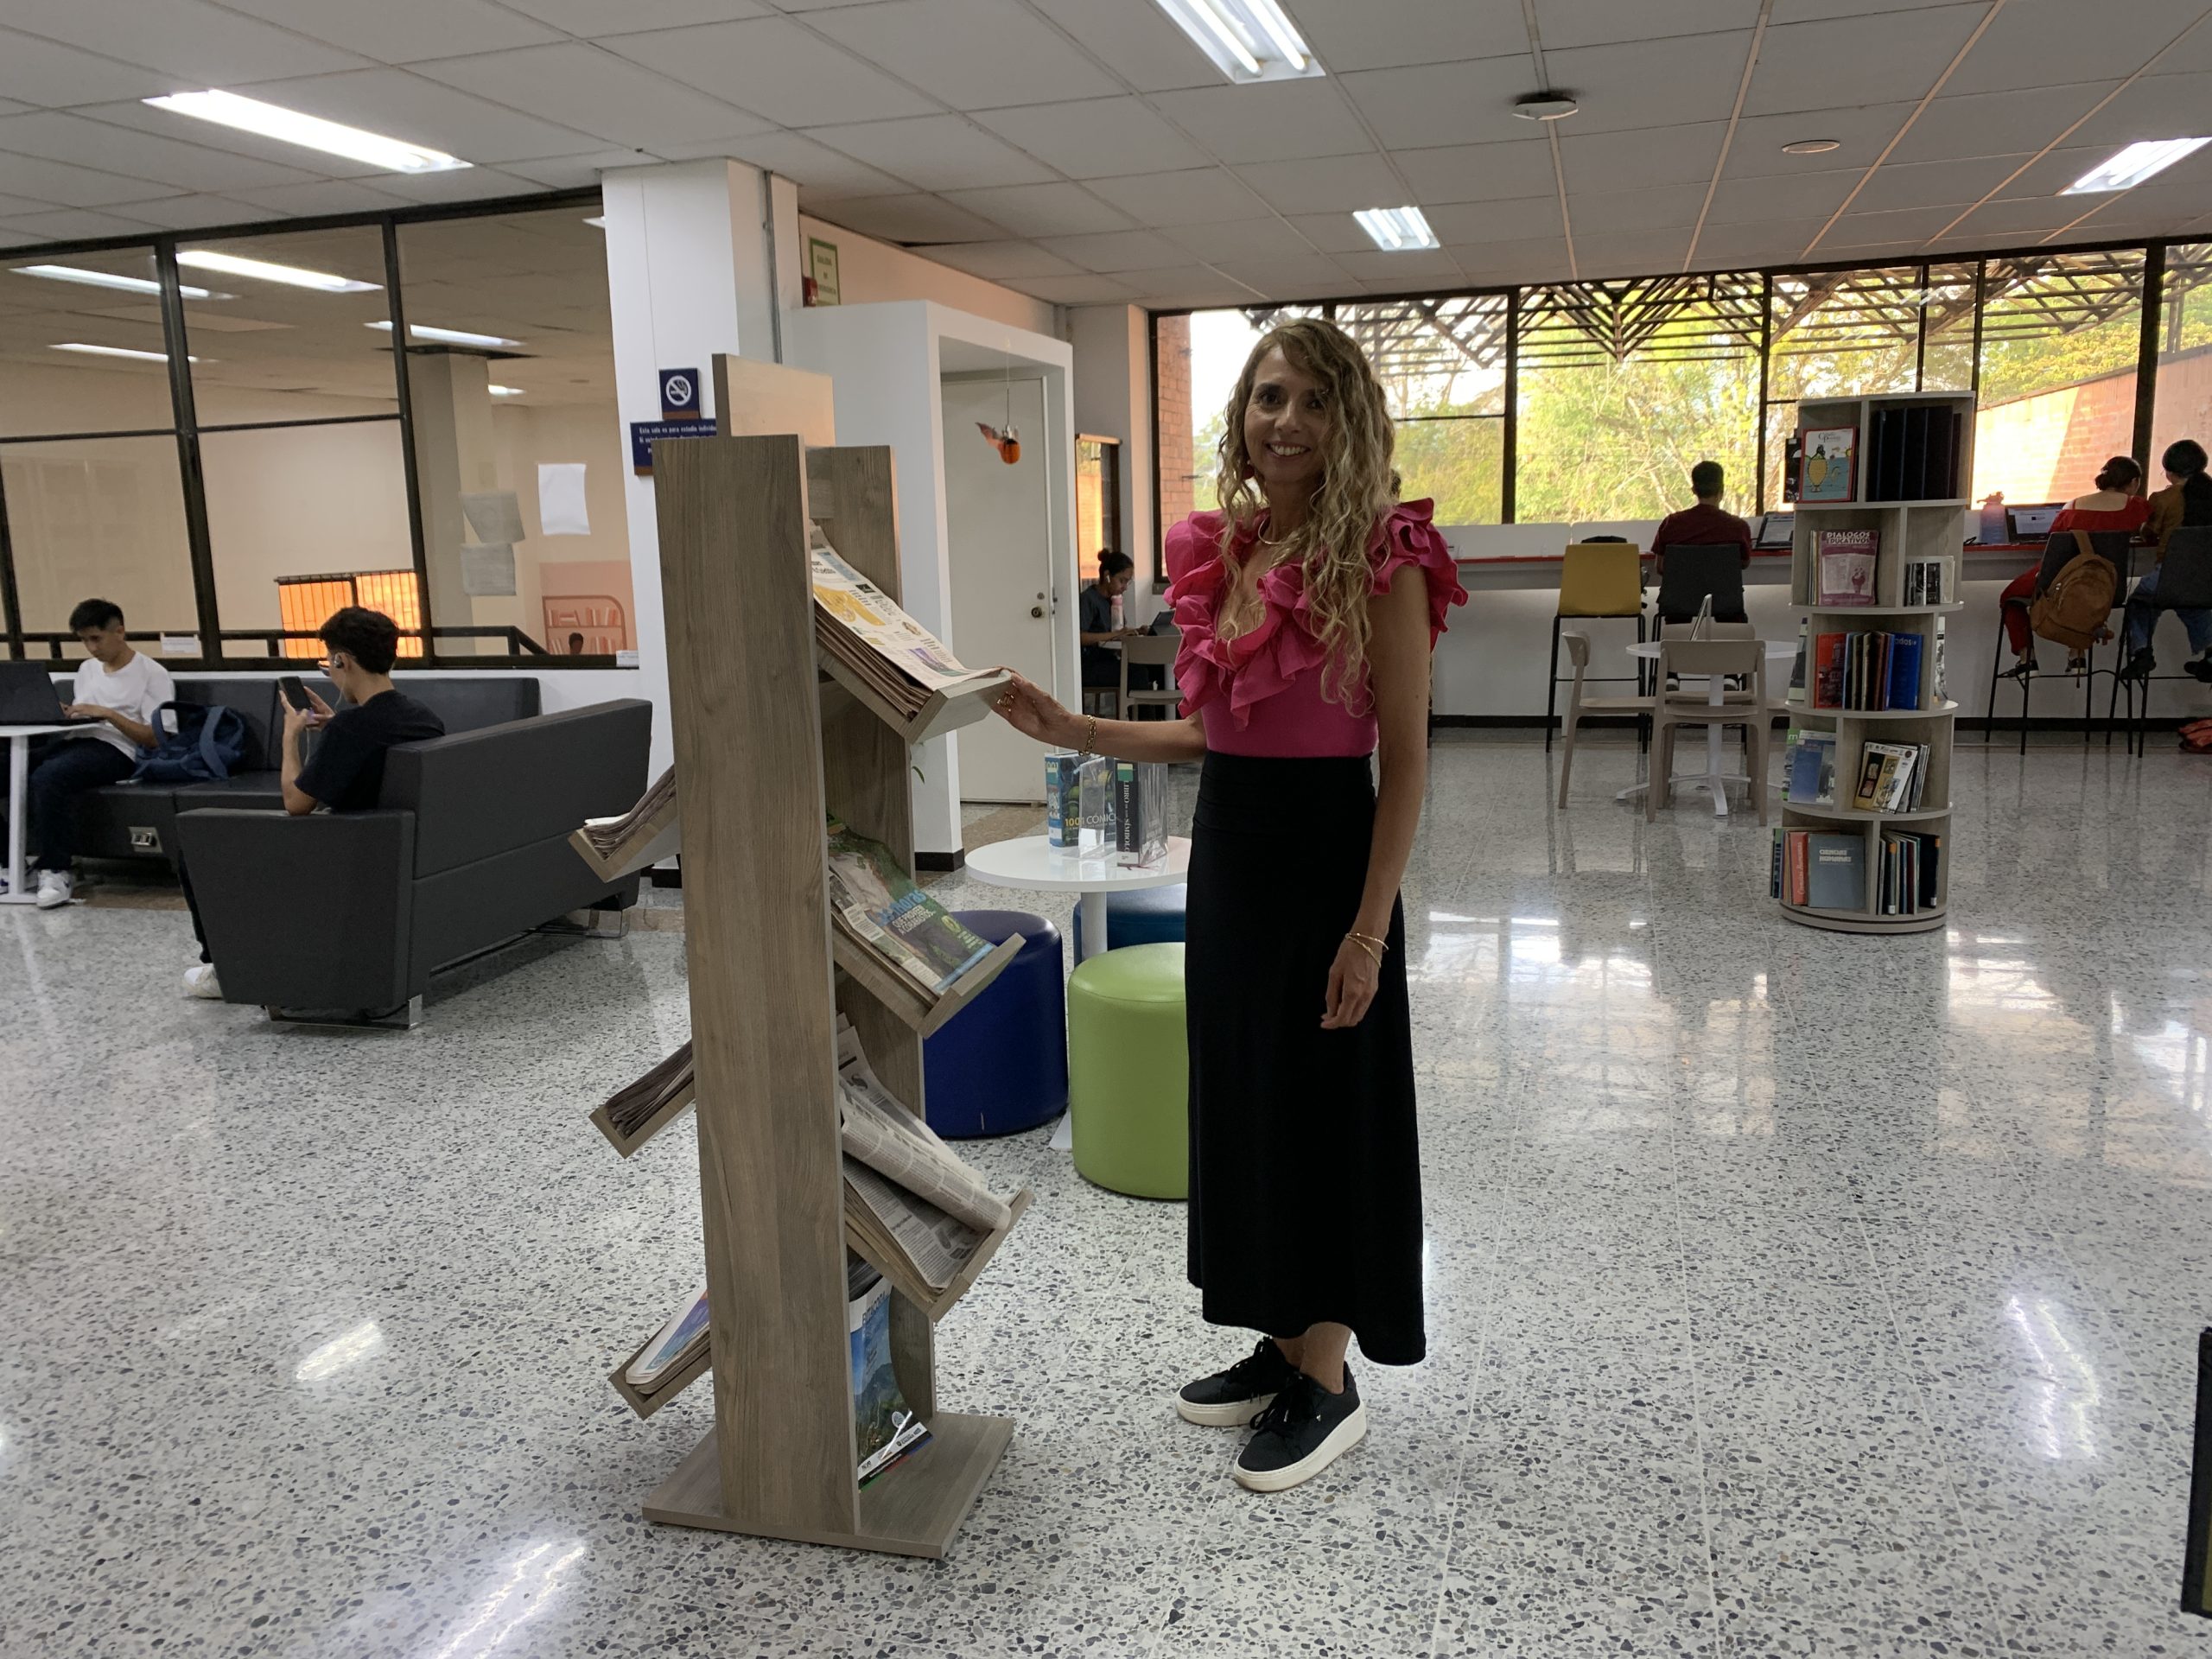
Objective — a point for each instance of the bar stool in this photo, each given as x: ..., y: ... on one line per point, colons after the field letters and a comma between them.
x: 1596, y: 579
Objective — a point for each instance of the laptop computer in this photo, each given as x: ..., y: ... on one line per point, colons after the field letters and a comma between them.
x: 2032, y: 523
x: 1775, y: 529
x: 27, y: 698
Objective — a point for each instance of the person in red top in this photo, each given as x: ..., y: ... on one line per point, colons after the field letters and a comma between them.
x: 2117, y: 504
x: 1309, y: 607
x: 1706, y: 525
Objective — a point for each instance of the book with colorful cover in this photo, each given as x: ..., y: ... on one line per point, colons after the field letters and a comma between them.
x: 672, y: 1345
x: 1844, y: 561
x: 1903, y: 689
x: 885, y: 1427
x: 1808, y: 768
x: 881, y: 904
x: 1827, y: 671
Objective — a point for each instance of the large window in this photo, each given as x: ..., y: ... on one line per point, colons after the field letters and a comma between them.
x: 2060, y: 335
x: 1442, y: 364
x: 2183, y: 408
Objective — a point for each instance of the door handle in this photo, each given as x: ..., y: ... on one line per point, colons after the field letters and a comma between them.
x: 1036, y: 610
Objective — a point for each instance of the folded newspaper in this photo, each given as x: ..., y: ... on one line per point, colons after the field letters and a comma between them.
x: 633, y: 1106
x: 879, y: 903
x: 860, y: 626
x: 650, y: 815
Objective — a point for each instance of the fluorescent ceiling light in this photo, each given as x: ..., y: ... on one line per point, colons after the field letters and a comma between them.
x: 291, y: 276
x: 104, y: 279
x: 451, y: 336
x: 1811, y: 146
x: 2133, y: 165
x: 117, y: 351
x: 505, y: 391
x: 1246, y: 40
x: 311, y: 131
x: 1396, y: 230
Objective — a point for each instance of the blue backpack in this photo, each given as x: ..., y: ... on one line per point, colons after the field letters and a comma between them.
x: 195, y: 743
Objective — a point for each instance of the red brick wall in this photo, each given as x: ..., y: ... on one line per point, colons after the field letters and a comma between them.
x: 1173, y: 427
x: 2049, y: 447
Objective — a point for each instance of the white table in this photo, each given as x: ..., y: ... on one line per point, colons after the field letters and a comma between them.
x: 19, y: 778
x: 1032, y: 862
x: 1715, y: 781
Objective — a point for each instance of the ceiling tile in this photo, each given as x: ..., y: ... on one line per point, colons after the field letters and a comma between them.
x: 773, y: 68
x: 1332, y: 233
x: 936, y: 152
x: 1996, y: 123
x: 1526, y: 259
x: 1858, y: 230
x: 1327, y: 184
x: 998, y: 261
x: 15, y: 207
x: 1747, y: 201
x: 1078, y: 290
x: 596, y: 91
x: 1178, y: 279
x: 823, y: 173
x: 1219, y: 291
x: 190, y: 42
x: 1289, y: 278
x: 1664, y: 207
x: 1630, y: 253
x: 69, y: 223
x: 1477, y: 172
x: 1668, y: 83
x: 409, y: 106
x: 909, y: 219
x: 61, y: 137
x: 1600, y: 22
x: 593, y: 18
x: 1801, y: 11
x: 2157, y: 106
x: 1527, y: 217
x: 2033, y: 42
x: 1410, y: 268
x: 1136, y: 42
x: 193, y: 212
x: 1861, y: 134
x: 1349, y: 35
x: 48, y: 76
x: 400, y: 31
x: 1095, y: 138
x: 572, y: 172
x: 1244, y: 240
x: 974, y: 55
x: 1844, y: 61
x: 1271, y: 121
x: 1635, y: 161
x: 73, y: 186
x: 477, y: 184
x: 1199, y: 196
x: 1042, y: 209
x: 1118, y: 251
x: 2049, y: 174
x: 1769, y: 242
x: 330, y: 196
x: 1934, y: 184
x: 1439, y: 103
x: 2025, y: 216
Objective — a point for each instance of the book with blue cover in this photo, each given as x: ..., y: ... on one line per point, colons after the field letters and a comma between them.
x: 1903, y: 689
x: 1836, y: 878
x: 1808, y: 773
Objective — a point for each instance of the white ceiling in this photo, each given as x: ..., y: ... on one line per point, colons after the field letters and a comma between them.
x: 1083, y: 151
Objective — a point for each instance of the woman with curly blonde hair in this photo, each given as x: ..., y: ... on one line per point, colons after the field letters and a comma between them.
x: 1309, y: 606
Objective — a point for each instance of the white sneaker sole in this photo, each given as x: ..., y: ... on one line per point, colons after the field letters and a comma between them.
x: 1346, y: 1434
x: 1235, y: 1414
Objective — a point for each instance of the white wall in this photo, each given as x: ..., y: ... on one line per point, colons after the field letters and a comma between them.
x: 871, y: 273
x: 1113, y: 400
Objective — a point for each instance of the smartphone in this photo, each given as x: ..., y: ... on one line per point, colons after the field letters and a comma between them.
x: 294, y: 692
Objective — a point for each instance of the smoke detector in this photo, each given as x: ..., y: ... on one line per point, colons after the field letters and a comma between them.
x: 1812, y: 146
x: 1545, y: 106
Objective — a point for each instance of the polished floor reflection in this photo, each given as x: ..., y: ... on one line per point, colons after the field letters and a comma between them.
x: 1792, y: 1294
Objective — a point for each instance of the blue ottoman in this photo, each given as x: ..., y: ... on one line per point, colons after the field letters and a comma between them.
x: 1148, y: 916
x: 1001, y: 1065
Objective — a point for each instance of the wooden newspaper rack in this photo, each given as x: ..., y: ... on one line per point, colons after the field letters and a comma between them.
x: 763, y: 759
x: 656, y: 836
x: 628, y: 1145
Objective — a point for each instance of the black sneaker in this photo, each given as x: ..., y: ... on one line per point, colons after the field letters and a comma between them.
x: 1302, y: 1433
x: 2138, y: 666
x: 1232, y: 1398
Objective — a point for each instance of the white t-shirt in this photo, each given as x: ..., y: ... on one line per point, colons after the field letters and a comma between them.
x: 138, y: 688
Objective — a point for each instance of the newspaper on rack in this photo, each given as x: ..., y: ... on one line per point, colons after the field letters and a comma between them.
x: 897, y: 1145
x: 864, y: 628
x: 609, y: 835
x: 897, y: 1226
x: 636, y: 1104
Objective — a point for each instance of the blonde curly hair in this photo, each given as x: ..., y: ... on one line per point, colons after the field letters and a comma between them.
x: 1356, y: 490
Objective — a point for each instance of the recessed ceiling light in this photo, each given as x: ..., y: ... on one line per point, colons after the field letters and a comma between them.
x: 1812, y: 146
x: 451, y: 336
x: 1397, y: 230
x: 1545, y: 106
x: 506, y: 391
x: 232, y: 264
x: 2133, y: 165
x: 311, y: 131
x: 117, y: 351
x: 104, y: 279
x: 1246, y: 40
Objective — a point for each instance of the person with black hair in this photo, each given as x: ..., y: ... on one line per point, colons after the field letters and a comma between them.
x: 1706, y: 524
x: 121, y: 688
x: 345, y: 773
x: 1101, y: 662
x: 2184, y: 503
x: 2116, y: 505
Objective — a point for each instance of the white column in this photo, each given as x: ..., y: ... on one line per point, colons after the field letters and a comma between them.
x: 455, y: 455
x: 1113, y: 400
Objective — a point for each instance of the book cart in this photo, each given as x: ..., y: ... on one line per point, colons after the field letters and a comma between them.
x: 767, y: 746
x: 1909, y: 529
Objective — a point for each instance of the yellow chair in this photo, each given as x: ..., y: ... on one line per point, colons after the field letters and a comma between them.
x: 1596, y: 579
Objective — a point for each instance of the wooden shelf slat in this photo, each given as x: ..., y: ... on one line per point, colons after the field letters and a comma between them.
x: 938, y: 1303
x: 940, y: 714
x: 628, y: 1145
x: 671, y: 1383
x: 657, y: 838
x: 900, y: 992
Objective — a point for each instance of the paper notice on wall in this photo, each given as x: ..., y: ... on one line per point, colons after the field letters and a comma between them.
x: 488, y: 572
x: 494, y: 516
x: 561, y: 499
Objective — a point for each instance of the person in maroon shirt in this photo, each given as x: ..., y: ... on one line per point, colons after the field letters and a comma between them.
x: 1706, y: 525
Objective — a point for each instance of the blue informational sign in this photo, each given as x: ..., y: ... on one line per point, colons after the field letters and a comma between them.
x: 679, y: 394
x: 644, y: 434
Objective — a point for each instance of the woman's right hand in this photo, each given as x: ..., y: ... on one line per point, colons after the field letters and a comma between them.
x: 1030, y: 711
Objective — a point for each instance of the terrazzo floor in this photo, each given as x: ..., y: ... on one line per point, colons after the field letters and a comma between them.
x: 1789, y: 1293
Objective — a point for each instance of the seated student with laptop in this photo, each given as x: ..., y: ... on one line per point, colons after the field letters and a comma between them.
x: 116, y: 692
x: 1706, y: 525
x: 345, y: 773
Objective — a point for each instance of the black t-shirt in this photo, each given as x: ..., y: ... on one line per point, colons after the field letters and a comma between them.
x: 345, y: 773
x: 1102, y: 664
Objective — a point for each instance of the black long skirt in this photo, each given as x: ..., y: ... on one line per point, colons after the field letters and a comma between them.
x: 1305, y: 1160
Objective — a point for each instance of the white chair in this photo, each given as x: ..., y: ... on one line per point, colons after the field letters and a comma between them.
x: 1150, y: 649
x: 1701, y: 659
x: 1577, y: 651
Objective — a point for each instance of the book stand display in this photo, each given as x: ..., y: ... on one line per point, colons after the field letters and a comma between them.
x: 766, y: 749
x: 1924, y: 528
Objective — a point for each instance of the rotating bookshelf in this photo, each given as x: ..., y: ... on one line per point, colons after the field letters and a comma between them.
x: 1910, y: 470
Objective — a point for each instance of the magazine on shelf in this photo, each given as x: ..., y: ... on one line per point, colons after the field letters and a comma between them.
x: 898, y: 1227
x: 856, y: 622
x: 1924, y: 582
x: 630, y: 1107
x: 673, y: 1346
x: 885, y: 1427
x: 875, y: 1128
x: 1845, y: 561
x: 1797, y: 669
x: 880, y: 903
x: 1827, y: 456
x: 1808, y: 768
x: 1063, y: 801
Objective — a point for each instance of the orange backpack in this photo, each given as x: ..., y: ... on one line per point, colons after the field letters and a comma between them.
x: 2077, y: 606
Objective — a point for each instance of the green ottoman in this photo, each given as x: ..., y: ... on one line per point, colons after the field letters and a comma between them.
x: 1129, y: 1071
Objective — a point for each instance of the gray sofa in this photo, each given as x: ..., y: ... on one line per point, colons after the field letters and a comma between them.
x: 467, y: 847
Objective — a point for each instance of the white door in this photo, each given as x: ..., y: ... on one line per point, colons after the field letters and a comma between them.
x: 998, y: 524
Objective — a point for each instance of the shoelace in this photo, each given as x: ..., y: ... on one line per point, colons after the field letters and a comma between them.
x: 1260, y: 1359
x: 1299, y: 1402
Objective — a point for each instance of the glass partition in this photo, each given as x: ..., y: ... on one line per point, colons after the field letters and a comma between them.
x: 2184, y: 403
x: 2060, y: 334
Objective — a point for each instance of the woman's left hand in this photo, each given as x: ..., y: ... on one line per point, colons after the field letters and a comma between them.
x: 1353, y: 977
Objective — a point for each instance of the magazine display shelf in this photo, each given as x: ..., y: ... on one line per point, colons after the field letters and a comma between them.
x: 630, y: 1145
x: 762, y: 760
x: 917, y: 1008
x: 940, y: 714
x: 1911, y: 530
x: 645, y: 1401
x: 649, y: 841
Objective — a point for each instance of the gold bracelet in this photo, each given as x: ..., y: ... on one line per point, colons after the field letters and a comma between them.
x: 1089, y: 737
x: 1364, y: 943
x: 1369, y: 938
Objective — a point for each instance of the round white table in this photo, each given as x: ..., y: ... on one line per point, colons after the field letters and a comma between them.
x: 1714, y: 781
x: 1032, y: 862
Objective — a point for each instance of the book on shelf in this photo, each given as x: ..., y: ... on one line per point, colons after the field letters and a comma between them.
x: 880, y: 905
x: 610, y: 836
x: 1797, y: 668
x: 886, y: 1430
x: 1062, y: 803
x: 1826, y: 457
x: 1808, y: 768
x: 1910, y: 871
x: 1790, y: 874
x: 1835, y: 871
x: 1935, y: 692
x: 1827, y: 670
x: 1793, y: 466
x: 1140, y: 813
x: 862, y: 626
x: 1924, y: 582
x: 1901, y: 687
x: 1844, y: 559
x: 1886, y: 776
x: 673, y: 1346
x: 633, y: 1106
x: 1867, y: 672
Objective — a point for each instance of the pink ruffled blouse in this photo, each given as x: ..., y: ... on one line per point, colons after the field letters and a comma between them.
x: 1260, y: 693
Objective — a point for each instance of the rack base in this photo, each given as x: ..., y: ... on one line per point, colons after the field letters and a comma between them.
x: 914, y: 1509
x: 1857, y: 921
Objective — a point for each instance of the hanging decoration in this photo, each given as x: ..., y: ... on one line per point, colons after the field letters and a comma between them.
x: 1007, y: 443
